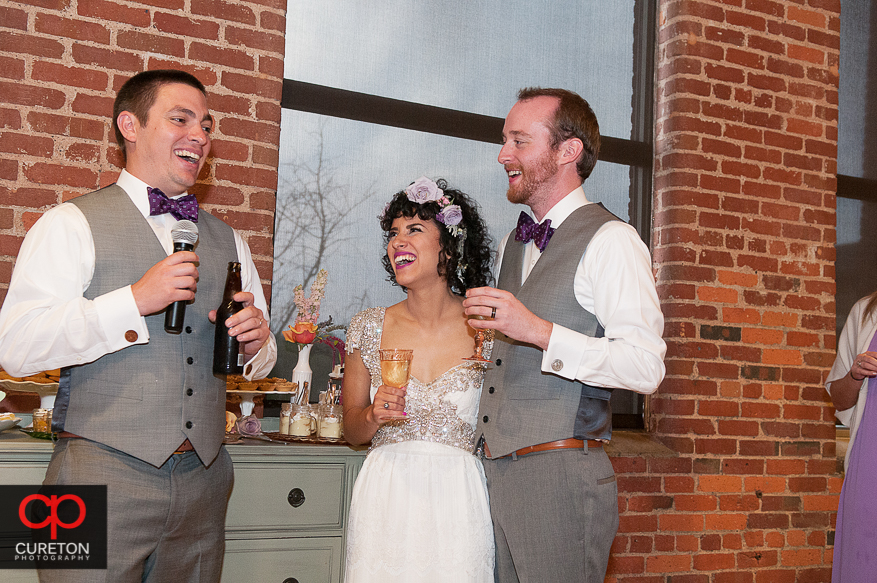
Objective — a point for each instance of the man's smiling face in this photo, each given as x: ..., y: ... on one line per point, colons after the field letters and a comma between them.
x: 168, y: 151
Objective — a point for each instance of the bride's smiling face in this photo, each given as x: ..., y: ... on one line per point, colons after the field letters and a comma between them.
x: 414, y: 247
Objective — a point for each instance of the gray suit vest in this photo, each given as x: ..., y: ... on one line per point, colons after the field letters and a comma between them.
x: 520, y: 404
x: 147, y: 399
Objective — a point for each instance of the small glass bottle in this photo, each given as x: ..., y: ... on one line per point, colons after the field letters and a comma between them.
x: 40, y: 421
x: 227, y: 358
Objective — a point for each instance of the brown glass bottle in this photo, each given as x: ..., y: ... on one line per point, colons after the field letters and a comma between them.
x: 227, y: 358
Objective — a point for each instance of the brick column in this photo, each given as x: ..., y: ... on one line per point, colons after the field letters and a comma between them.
x: 745, y: 165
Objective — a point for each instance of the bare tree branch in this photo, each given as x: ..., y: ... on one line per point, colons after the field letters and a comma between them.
x: 312, y: 211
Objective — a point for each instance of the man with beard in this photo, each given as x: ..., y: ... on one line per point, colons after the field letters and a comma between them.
x: 576, y: 315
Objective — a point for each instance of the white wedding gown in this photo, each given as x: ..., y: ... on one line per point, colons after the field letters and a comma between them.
x: 419, y: 511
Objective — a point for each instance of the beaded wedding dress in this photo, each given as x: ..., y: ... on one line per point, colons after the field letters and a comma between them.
x: 419, y: 511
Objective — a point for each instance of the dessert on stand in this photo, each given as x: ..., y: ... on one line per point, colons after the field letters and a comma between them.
x: 44, y: 384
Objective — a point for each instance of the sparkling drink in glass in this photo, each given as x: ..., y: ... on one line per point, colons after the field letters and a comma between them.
x: 396, y: 366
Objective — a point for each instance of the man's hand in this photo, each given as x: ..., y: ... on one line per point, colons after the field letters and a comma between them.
x: 248, y: 326
x: 511, y: 317
x: 173, y: 279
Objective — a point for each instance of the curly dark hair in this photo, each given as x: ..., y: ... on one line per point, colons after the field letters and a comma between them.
x: 476, y: 256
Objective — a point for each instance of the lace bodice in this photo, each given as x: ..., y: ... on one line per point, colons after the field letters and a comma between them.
x: 442, y: 411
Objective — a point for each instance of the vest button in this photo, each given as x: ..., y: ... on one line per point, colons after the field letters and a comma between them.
x: 490, y: 390
x: 188, y: 425
x: 188, y: 329
x: 498, y: 362
x: 189, y: 392
x: 190, y: 360
x: 485, y: 419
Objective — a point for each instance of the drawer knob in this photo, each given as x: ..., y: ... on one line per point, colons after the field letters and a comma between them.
x: 290, y: 580
x: 296, y: 498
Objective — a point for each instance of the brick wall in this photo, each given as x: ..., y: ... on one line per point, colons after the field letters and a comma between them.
x: 746, y: 136
x: 61, y: 63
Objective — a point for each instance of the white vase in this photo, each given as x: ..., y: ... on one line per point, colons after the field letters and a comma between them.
x: 302, y: 374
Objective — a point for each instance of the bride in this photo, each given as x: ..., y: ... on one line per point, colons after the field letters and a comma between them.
x: 419, y: 510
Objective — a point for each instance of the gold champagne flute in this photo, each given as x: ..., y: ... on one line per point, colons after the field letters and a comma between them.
x: 396, y: 366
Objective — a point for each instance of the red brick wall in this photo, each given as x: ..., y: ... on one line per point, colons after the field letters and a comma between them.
x: 61, y: 62
x: 746, y: 136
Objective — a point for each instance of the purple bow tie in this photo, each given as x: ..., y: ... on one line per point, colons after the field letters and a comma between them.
x: 529, y: 230
x: 185, y: 207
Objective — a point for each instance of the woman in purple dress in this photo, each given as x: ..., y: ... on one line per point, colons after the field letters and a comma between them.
x: 851, y: 381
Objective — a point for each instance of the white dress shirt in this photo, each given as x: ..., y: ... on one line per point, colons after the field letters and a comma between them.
x: 614, y: 282
x: 47, y: 323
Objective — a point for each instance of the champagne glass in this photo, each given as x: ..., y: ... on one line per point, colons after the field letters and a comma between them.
x: 396, y: 366
x: 479, y: 345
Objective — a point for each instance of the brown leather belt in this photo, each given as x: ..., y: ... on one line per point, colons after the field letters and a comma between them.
x: 184, y: 447
x: 551, y: 445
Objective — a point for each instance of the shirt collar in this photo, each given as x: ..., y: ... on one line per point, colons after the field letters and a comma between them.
x: 136, y: 191
x: 565, y: 207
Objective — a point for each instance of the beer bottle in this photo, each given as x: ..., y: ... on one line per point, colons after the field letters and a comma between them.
x: 227, y: 358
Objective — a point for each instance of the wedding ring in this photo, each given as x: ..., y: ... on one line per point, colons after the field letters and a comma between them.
x: 493, y: 313
x: 386, y: 405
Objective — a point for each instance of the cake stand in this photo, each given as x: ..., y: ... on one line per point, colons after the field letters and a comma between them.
x: 46, y: 391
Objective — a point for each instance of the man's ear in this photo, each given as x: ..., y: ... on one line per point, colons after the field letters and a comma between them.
x: 570, y: 151
x: 128, y: 125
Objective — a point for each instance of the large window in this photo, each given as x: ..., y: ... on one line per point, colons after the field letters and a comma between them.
x: 377, y: 94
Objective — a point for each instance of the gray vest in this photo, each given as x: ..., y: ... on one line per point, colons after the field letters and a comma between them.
x: 520, y: 404
x: 147, y: 399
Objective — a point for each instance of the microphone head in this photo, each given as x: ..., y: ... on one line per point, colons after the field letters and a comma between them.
x: 185, y: 232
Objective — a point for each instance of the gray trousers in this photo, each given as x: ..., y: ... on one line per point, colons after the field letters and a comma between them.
x: 164, y: 524
x: 555, y: 515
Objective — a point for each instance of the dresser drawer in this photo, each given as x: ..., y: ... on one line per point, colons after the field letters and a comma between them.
x: 23, y: 474
x: 305, y: 560
x: 287, y: 496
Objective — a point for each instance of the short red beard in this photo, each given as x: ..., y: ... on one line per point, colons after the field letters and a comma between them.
x: 533, y: 179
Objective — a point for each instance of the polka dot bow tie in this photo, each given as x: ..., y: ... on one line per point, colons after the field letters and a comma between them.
x: 185, y: 207
x: 529, y: 230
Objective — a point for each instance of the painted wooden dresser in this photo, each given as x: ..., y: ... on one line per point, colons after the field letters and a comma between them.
x: 286, y: 517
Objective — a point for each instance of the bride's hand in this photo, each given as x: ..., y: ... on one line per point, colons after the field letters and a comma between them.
x: 388, y: 404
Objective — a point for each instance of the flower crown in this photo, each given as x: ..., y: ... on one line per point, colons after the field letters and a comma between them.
x: 424, y: 190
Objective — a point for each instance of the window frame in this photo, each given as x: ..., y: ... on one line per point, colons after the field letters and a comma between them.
x: 637, y: 153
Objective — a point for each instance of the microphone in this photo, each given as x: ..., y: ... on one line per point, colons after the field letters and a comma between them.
x: 184, y: 235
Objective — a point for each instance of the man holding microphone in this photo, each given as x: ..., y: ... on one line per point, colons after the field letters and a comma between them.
x: 138, y: 408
